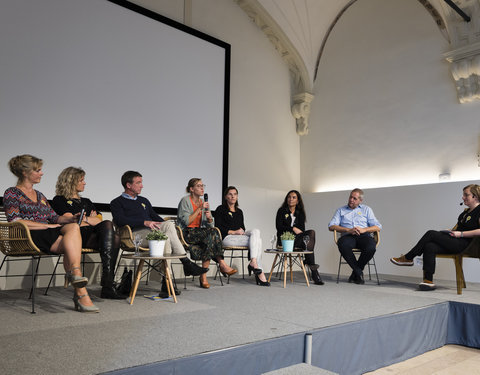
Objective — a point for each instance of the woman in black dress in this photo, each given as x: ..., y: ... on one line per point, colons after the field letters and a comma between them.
x: 96, y: 233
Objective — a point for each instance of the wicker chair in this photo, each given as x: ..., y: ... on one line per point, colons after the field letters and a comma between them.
x: 126, y: 244
x: 15, y: 241
x: 195, y: 249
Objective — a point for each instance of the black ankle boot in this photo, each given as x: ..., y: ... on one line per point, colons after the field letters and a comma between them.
x: 164, y: 289
x: 192, y: 269
x: 316, y: 277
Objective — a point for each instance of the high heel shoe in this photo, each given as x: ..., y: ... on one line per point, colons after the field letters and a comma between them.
x: 83, y: 308
x: 262, y: 283
x: 204, y: 285
x: 256, y: 271
x: 76, y: 281
x: 229, y: 273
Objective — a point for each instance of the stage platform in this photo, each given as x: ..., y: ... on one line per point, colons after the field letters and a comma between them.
x: 238, y: 328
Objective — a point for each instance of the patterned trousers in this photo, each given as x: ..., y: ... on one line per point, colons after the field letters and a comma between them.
x: 205, y: 243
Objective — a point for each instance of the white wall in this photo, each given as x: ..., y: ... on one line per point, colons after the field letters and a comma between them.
x: 405, y: 213
x: 264, y: 148
x: 385, y: 111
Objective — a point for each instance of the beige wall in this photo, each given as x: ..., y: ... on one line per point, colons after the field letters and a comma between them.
x: 264, y: 153
x: 406, y: 213
x: 385, y: 111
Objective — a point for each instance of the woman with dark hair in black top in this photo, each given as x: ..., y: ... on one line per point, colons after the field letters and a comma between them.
x: 229, y: 219
x: 291, y: 218
x: 446, y: 242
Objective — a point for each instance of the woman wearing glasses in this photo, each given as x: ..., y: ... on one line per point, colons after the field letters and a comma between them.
x: 196, y: 221
x: 446, y: 242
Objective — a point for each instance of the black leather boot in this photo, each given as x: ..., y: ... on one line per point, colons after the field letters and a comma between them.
x: 108, y: 254
x: 316, y: 276
x: 164, y: 291
x: 192, y: 269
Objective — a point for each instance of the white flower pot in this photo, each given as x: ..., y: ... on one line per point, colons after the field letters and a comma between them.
x: 156, y: 248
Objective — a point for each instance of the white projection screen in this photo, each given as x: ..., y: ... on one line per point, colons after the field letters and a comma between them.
x: 109, y: 86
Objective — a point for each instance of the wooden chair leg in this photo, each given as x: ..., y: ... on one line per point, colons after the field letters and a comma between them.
x: 273, y: 266
x: 458, y: 260
x: 339, y: 265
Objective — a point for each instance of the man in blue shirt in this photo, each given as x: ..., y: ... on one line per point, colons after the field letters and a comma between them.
x: 356, y: 223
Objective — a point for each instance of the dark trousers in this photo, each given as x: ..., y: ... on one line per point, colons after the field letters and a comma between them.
x: 309, y: 258
x: 299, y: 244
x: 432, y: 243
x: 365, y: 242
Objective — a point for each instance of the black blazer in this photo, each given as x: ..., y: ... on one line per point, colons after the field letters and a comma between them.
x: 283, y: 221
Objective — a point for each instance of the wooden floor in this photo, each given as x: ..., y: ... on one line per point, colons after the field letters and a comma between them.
x: 447, y: 360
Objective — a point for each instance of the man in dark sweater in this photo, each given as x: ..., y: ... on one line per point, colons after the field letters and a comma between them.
x: 137, y: 212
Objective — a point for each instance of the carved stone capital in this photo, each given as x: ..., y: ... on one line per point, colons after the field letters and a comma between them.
x: 464, y: 58
x: 465, y: 68
x: 301, y: 111
x: 302, y: 82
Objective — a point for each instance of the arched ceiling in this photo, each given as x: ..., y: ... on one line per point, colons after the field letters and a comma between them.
x: 307, y: 23
x: 299, y: 30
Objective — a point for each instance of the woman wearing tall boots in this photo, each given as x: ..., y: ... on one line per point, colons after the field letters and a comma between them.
x: 229, y: 219
x: 291, y: 217
x: 96, y: 233
x: 51, y: 233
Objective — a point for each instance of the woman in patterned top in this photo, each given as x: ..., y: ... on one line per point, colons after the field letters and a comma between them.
x: 96, y: 233
x: 51, y: 233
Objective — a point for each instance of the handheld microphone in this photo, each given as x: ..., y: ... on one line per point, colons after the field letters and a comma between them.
x: 461, y: 204
x: 205, y: 199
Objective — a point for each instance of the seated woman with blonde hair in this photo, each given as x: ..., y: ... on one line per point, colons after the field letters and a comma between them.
x: 96, y: 232
x: 196, y: 221
x: 51, y: 233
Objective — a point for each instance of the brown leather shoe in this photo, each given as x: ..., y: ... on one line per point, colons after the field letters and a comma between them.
x: 203, y: 282
x: 402, y: 261
x: 229, y: 273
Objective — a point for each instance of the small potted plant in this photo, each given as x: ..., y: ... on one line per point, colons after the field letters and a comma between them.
x: 156, y: 242
x: 288, y: 239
